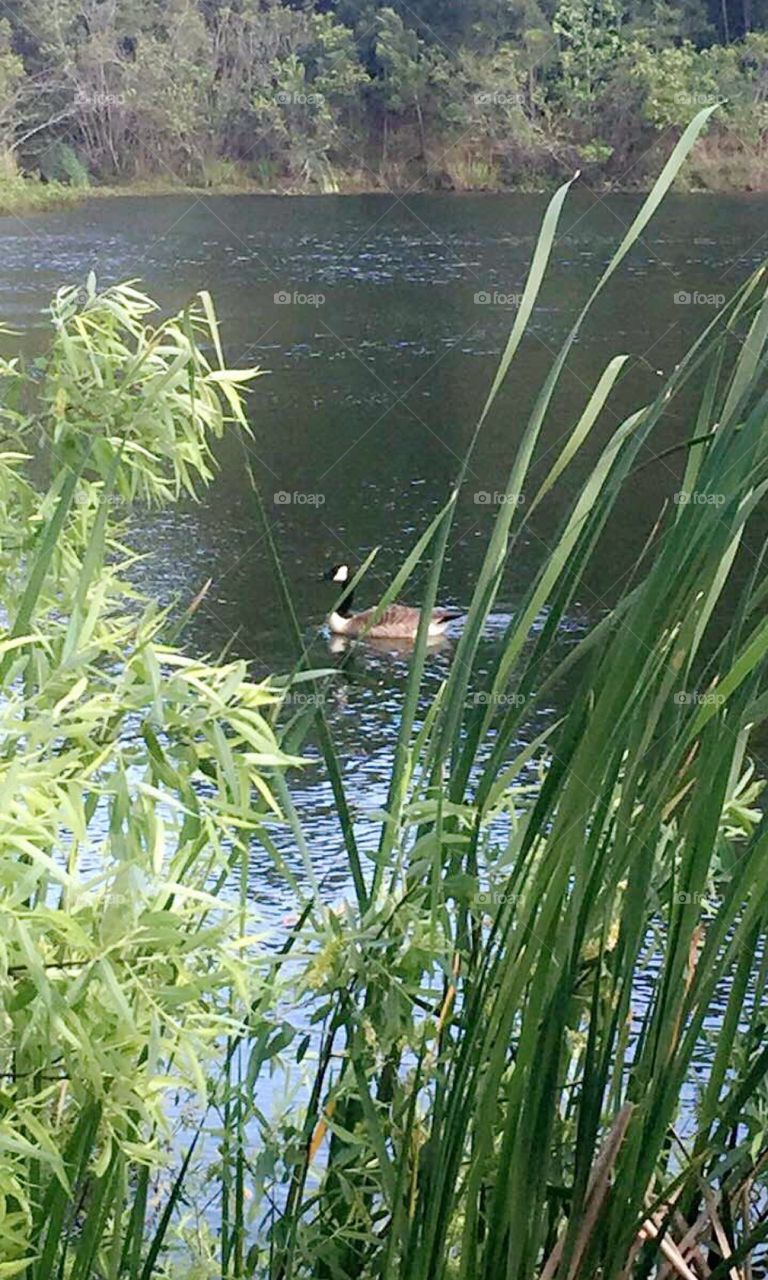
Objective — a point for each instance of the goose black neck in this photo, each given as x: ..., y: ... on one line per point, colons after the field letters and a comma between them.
x: 344, y: 606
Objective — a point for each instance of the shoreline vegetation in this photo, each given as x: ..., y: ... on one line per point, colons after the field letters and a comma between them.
x: 342, y: 96
x: 30, y: 195
x: 485, y: 1061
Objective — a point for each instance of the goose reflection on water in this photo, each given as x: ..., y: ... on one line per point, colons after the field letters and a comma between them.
x: 396, y: 647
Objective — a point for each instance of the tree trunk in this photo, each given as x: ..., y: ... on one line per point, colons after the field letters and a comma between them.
x: 422, y: 139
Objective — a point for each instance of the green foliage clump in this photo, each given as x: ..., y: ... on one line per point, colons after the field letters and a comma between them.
x: 133, y: 778
x: 589, y: 33
x: 60, y: 163
x: 24, y: 195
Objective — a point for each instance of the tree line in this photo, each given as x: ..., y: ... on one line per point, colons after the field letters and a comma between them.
x: 353, y: 94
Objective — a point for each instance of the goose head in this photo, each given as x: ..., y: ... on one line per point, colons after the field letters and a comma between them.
x: 340, y: 573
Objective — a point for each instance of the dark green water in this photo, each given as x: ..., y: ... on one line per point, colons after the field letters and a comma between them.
x: 377, y: 368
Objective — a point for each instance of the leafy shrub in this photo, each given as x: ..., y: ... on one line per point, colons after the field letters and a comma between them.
x: 133, y: 778
x: 61, y: 163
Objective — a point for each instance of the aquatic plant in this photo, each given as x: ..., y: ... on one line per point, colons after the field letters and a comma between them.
x: 513, y: 1009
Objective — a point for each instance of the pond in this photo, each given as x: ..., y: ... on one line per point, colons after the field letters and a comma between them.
x: 379, y: 322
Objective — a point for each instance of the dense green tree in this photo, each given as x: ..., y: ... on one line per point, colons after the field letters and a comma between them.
x: 403, y: 71
x: 11, y: 84
x: 590, y: 40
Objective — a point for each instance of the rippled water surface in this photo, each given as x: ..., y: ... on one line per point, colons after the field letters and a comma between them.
x: 378, y: 363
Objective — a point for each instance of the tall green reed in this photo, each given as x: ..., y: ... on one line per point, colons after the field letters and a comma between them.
x: 506, y: 1101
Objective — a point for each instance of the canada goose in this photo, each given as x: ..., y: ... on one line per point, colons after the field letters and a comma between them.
x: 397, y: 622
